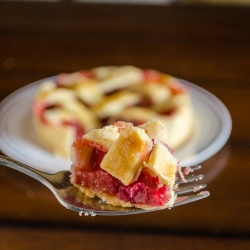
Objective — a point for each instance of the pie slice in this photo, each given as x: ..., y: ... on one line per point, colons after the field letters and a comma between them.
x: 125, y: 165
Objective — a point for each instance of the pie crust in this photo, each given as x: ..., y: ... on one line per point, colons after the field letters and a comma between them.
x: 73, y: 104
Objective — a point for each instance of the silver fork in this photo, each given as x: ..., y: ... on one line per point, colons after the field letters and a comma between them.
x: 70, y: 197
x: 183, y: 189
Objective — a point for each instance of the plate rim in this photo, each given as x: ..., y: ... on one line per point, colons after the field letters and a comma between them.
x: 225, y: 119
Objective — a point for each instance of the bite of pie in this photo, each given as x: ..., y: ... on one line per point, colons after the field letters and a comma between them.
x: 71, y: 105
x: 126, y: 165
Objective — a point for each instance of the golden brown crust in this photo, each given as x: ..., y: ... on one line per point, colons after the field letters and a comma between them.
x: 163, y: 164
x: 104, y: 137
x: 49, y: 139
x: 127, y: 153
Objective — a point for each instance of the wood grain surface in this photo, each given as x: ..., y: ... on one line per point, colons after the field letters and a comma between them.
x: 206, y: 45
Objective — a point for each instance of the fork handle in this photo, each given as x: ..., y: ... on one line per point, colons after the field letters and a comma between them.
x: 23, y: 168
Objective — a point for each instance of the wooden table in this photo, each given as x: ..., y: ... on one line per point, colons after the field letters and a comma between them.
x: 209, y: 46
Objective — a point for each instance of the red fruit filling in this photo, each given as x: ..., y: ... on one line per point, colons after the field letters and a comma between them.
x: 65, y: 80
x: 168, y: 112
x: 79, y: 130
x: 40, y: 107
x: 145, y: 190
x: 151, y: 75
x: 177, y: 88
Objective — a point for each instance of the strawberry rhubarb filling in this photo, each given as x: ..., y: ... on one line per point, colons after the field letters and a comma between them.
x: 145, y: 190
x: 122, y: 169
x: 40, y: 109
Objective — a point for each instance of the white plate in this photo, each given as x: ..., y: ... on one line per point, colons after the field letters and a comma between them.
x: 18, y: 140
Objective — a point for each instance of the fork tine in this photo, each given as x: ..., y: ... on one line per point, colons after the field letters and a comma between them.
x: 190, y: 198
x: 186, y: 189
x: 190, y: 169
x: 190, y: 178
x: 195, y: 167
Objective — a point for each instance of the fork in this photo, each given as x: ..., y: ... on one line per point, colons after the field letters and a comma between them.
x: 70, y: 197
